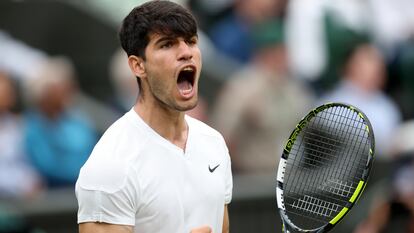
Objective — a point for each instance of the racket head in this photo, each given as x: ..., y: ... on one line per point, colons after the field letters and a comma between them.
x: 324, y: 167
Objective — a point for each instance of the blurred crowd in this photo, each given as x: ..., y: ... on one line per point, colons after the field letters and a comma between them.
x: 265, y: 64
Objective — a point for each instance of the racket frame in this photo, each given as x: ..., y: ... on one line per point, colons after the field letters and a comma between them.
x: 287, y: 225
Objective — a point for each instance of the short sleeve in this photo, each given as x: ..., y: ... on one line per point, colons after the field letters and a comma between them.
x: 228, y: 178
x: 98, y: 203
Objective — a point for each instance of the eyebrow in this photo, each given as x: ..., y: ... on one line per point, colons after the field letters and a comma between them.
x: 163, y: 38
x: 167, y: 38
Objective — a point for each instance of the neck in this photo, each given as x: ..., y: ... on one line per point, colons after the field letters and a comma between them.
x: 168, y: 123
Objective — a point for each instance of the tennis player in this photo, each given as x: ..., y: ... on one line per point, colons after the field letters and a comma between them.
x: 157, y: 170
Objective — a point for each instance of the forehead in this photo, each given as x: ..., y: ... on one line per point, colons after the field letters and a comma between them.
x: 155, y: 36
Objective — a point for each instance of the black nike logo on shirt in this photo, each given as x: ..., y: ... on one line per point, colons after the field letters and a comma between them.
x: 214, y: 168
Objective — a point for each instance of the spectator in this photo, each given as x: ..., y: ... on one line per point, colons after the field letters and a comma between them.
x: 124, y: 82
x: 309, y: 28
x: 232, y: 35
x: 362, y: 82
x: 58, y: 138
x: 17, y: 178
x: 261, y: 104
x: 395, y: 211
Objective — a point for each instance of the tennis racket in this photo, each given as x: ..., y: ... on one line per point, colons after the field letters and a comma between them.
x: 324, y: 168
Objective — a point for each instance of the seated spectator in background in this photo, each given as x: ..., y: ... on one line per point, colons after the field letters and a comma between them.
x: 362, y: 82
x: 393, y: 210
x: 58, y: 138
x: 17, y: 178
x: 231, y: 36
x: 123, y: 81
x: 261, y: 104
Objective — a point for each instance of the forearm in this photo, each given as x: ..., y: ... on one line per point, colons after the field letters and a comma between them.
x: 226, y: 223
x: 93, y: 227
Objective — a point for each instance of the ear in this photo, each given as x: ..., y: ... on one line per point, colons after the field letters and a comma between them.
x: 136, y: 64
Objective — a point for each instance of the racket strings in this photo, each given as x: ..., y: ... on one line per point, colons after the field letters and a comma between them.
x: 345, y: 136
x: 334, y: 146
x: 315, y: 159
x: 322, y: 152
x: 326, y: 156
x: 338, y: 187
x: 336, y: 143
x: 302, y: 217
x: 316, y: 206
x: 333, y: 129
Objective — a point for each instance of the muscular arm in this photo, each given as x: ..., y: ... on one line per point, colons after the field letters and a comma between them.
x: 226, y: 223
x: 93, y: 227
x: 207, y: 229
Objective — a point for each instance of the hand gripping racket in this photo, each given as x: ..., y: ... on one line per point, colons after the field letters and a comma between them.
x: 324, y: 168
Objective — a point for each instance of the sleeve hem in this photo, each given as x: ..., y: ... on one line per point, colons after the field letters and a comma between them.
x: 106, y: 219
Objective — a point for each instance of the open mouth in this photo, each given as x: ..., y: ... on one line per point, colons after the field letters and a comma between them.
x: 185, y: 80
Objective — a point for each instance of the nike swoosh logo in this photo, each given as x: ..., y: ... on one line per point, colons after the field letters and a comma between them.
x: 214, y: 168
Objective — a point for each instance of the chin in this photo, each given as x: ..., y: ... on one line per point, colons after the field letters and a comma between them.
x: 187, y: 105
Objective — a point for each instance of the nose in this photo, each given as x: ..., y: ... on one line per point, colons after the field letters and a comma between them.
x: 184, y: 51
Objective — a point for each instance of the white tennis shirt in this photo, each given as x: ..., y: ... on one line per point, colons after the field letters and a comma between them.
x: 136, y: 177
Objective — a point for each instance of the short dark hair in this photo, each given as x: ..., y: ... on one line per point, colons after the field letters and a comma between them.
x: 161, y: 17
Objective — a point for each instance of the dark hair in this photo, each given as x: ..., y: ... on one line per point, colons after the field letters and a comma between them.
x: 162, y: 17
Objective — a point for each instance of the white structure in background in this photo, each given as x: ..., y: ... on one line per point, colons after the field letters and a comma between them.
x: 389, y: 22
x: 18, y: 59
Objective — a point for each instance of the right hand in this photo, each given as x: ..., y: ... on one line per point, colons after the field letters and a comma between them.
x: 203, y: 229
